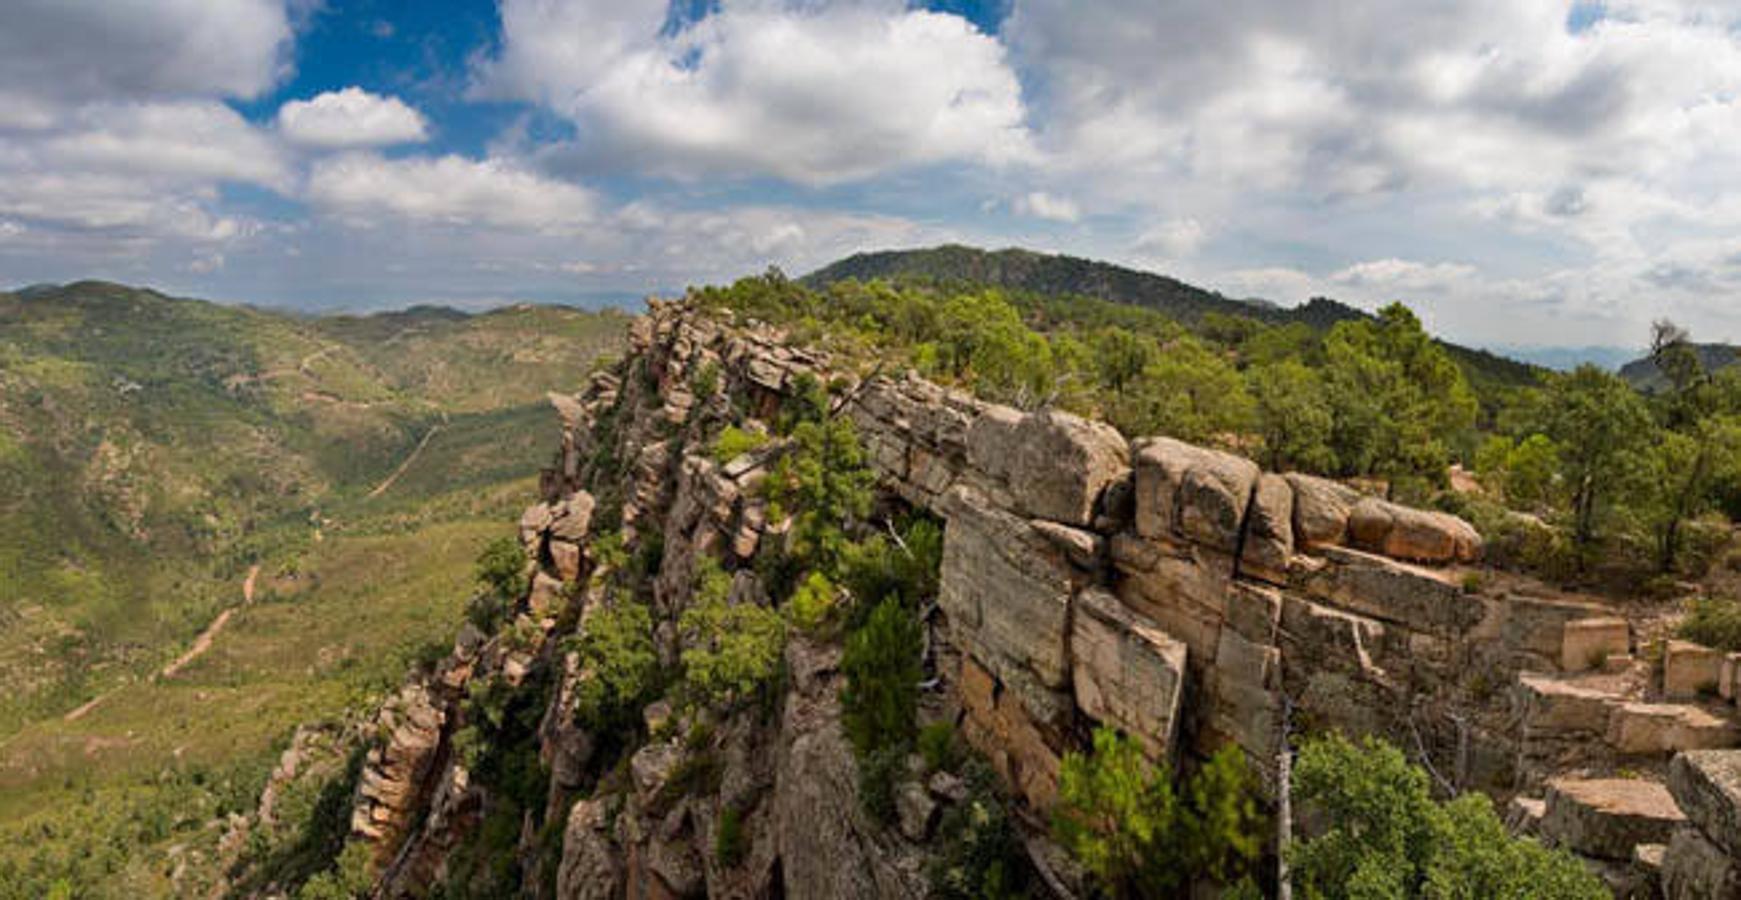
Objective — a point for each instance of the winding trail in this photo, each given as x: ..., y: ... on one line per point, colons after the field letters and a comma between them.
x: 200, y: 645
x: 406, y: 464
x: 204, y: 642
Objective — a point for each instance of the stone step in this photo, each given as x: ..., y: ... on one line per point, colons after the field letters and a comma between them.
x: 1666, y: 728
x: 1589, y: 643
x: 1690, y: 670
x: 1524, y: 815
x: 1553, y: 706
x: 1606, y: 818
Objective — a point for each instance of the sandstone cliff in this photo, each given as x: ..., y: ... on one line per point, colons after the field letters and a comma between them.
x: 1175, y: 592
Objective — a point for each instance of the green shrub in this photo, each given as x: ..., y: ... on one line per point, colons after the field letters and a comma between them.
x: 882, y: 668
x: 501, y: 574
x: 705, y: 383
x: 351, y: 876
x: 980, y: 856
x: 501, y: 568
x: 1122, y: 818
x: 1714, y: 622
x: 730, y: 650
x: 938, y: 746
x: 734, y: 442
x: 729, y: 843
x: 878, y: 773
x: 812, y: 605
x: 620, y: 667
x: 1387, y: 838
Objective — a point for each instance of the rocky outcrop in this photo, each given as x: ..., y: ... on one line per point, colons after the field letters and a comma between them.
x: 1177, y: 593
x: 1703, y: 859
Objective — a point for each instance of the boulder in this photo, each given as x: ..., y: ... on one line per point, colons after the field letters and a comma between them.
x: 1647, y: 728
x: 825, y: 846
x: 566, y: 558
x: 652, y: 766
x: 1054, y: 465
x: 1552, y: 707
x: 1192, y: 493
x: 1006, y: 591
x: 1696, y: 869
x: 1729, y: 682
x: 571, y: 520
x: 1321, y: 510
x: 589, y: 869
x: 1707, y: 785
x: 914, y: 810
x: 1689, y: 670
x: 1607, y: 817
x: 1269, y: 531
x: 1413, y: 534
x: 1588, y: 642
x: 1128, y: 672
x: 534, y: 522
x: 1424, y: 600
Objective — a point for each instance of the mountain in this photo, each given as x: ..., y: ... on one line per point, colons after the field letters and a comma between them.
x: 1043, y: 273
x: 148, y: 441
x: 1642, y: 372
x: 1056, y: 274
x: 1565, y: 359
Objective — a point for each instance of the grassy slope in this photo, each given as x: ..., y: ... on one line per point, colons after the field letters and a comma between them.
x: 252, y: 437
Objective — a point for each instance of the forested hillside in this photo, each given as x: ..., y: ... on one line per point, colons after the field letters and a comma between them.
x: 158, y: 454
x: 1055, y: 275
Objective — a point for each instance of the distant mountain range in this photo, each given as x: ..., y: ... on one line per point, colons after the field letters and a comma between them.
x: 1643, y: 374
x: 1043, y: 273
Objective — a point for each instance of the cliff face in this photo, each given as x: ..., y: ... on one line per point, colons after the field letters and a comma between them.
x: 1174, y: 592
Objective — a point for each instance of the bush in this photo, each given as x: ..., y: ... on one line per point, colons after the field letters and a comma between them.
x: 734, y: 442
x: 729, y: 650
x: 705, y: 383
x: 620, y: 667
x: 501, y: 573
x: 979, y: 854
x: 729, y: 843
x: 881, y: 664
x: 1714, y: 622
x: 1387, y: 838
x: 1122, y: 819
x: 878, y: 773
x: 938, y: 746
x: 812, y: 605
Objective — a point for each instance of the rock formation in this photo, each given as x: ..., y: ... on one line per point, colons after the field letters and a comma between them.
x: 1175, y: 592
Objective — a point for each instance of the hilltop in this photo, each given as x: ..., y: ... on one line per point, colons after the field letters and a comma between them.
x: 954, y: 265
x: 1643, y: 374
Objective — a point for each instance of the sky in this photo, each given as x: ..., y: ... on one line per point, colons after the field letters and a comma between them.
x: 1521, y: 172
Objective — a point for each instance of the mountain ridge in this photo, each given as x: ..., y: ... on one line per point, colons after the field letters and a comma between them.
x: 1060, y: 275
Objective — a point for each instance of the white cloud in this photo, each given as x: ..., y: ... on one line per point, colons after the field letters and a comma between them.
x: 1042, y: 205
x: 1403, y: 274
x: 138, y: 171
x: 351, y: 118
x: 813, y: 93
x: 448, y: 190
x: 85, y: 50
x: 1172, y: 239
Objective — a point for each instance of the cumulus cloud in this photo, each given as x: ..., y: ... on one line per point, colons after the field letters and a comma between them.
x: 1042, y: 205
x: 139, y: 170
x: 815, y: 93
x: 1172, y: 239
x: 447, y: 190
x: 351, y: 118
x: 83, y: 50
x: 1403, y: 274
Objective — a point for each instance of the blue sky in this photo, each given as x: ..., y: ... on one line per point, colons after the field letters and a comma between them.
x: 1521, y: 171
